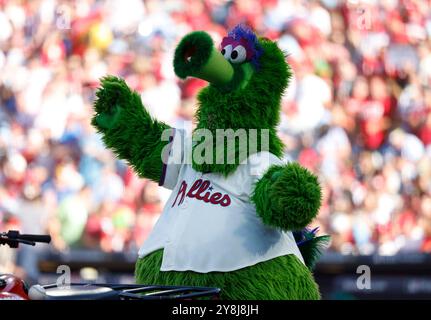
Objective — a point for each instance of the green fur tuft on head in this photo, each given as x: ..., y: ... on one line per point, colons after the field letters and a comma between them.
x: 287, y: 197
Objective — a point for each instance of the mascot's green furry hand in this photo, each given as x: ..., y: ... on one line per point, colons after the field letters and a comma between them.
x: 287, y: 197
x: 127, y: 127
x: 112, y: 94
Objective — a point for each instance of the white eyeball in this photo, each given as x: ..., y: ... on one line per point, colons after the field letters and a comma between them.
x: 226, y: 51
x: 238, y: 54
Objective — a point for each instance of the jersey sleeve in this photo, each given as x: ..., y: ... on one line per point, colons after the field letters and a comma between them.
x: 260, y: 162
x: 173, y: 158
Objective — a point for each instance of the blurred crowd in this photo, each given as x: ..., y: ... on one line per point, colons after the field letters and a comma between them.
x: 357, y: 112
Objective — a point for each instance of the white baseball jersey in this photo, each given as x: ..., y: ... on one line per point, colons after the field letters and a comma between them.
x: 208, y: 223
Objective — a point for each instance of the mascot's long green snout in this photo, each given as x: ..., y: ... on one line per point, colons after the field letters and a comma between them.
x: 236, y: 218
x: 197, y: 57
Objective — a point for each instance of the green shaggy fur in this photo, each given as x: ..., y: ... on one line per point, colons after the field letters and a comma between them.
x: 287, y: 197
x: 128, y: 129
x: 257, y: 106
x: 281, y: 278
x: 313, y: 249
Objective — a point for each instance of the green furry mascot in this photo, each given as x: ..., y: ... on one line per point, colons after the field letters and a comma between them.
x: 237, y: 215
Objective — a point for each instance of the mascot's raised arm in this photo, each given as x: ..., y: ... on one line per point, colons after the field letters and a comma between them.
x: 237, y: 215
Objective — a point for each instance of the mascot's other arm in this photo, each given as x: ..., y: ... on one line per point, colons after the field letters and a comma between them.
x: 287, y: 197
x: 128, y: 129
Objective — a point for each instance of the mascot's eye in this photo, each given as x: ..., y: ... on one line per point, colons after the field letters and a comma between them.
x: 226, y: 51
x: 238, y: 55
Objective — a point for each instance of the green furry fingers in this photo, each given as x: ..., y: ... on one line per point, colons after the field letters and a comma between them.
x: 128, y: 129
x: 282, y: 278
